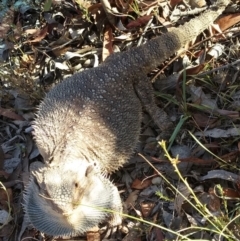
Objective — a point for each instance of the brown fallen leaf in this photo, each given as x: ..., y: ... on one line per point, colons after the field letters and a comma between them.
x: 146, y: 208
x: 141, y: 21
x: 228, y: 113
x: 39, y: 35
x: 210, y: 200
x: 107, y: 43
x: 173, y: 3
x: 10, y: 114
x: 228, y: 21
x: 229, y: 193
x: 158, y: 234
x: 230, y: 157
x: 131, y: 200
x: 94, y: 8
x: 179, y: 199
x: 138, y: 184
x: 6, y: 22
x: 198, y: 161
x: 195, y: 70
x: 204, y: 120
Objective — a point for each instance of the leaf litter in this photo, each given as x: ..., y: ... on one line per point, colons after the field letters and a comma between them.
x: 42, y: 42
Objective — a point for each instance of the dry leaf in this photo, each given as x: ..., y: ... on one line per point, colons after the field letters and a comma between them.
x: 138, y: 184
x: 229, y: 113
x: 158, y: 234
x: 173, y: 3
x: 228, y: 21
x: 131, y: 200
x: 10, y: 114
x: 221, y: 174
x: 197, y: 3
x: 141, y: 21
x: 195, y: 70
x: 107, y: 43
x: 198, y: 161
x: 39, y: 35
x: 6, y: 22
x: 203, y: 120
x: 146, y: 209
x: 199, y: 97
x: 219, y: 133
x: 216, y: 50
x: 229, y: 193
x: 180, y: 199
x: 210, y: 200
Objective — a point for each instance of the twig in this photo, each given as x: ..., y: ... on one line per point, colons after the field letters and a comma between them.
x: 144, y: 31
x: 219, y: 68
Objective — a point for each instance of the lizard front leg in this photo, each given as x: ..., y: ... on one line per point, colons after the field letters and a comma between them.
x: 144, y: 92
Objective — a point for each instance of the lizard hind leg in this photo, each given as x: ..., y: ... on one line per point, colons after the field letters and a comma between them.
x: 144, y: 92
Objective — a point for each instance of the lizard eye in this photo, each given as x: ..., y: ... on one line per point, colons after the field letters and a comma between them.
x: 76, y: 185
x: 89, y: 170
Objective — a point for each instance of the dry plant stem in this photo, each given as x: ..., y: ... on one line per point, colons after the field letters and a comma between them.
x: 207, y: 214
x: 109, y: 12
x: 226, y: 66
x: 174, y: 163
x: 226, y: 226
x: 148, y: 223
x: 217, y: 157
x: 144, y: 31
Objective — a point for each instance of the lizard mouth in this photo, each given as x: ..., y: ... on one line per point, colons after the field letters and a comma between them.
x: 91, y: 210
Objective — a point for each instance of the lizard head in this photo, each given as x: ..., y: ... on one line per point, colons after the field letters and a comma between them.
x: 69, y: 200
